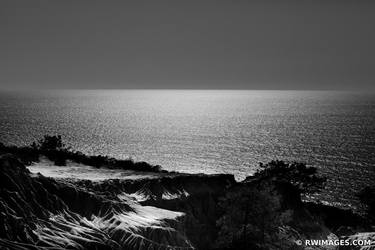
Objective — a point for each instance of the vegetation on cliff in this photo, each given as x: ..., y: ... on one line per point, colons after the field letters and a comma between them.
x: 55, y: 150
x: 264, y: 211
x: 367, y: 197
x: 256, y: 212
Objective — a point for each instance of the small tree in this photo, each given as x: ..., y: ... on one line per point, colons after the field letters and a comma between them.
x: 53, y: 148
x: 251, y: 218
x: 50, y: 143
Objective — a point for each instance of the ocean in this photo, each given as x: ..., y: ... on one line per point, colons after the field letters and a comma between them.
x: 208, y: 131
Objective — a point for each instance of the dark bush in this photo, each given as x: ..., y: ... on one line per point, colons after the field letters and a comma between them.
x: 49, y: 142
x: 251, y: 219
x: 367, y: 197
x: 303, y: 177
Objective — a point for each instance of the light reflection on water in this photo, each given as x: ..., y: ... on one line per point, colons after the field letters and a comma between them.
x: 207, y: 131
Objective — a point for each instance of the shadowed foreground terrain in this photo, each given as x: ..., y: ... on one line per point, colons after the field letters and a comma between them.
x: 172, y: 211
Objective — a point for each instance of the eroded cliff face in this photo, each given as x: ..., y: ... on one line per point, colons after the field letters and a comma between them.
x: 196, y: 196
x: 40, y: 213
x: 174, y: 211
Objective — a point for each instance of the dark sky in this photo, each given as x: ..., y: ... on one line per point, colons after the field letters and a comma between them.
x: 188, y: 44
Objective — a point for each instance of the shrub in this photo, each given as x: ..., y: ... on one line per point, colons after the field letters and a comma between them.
x: 367, y: 197
x: 303, y: 177
x: 251, y: 219
x: 49, y: 142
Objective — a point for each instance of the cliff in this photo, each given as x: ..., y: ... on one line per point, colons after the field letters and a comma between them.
x: 174, y: 211
x: 40, y: 213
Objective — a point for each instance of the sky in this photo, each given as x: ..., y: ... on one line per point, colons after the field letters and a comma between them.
x: 187, y: 44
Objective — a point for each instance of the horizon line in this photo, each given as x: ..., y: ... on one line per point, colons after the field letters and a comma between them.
x: 181, y: 89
